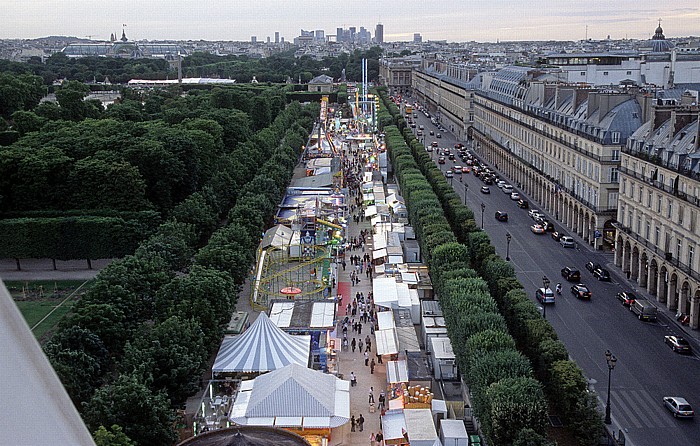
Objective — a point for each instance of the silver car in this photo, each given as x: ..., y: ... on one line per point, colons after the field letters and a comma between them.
x: 679, y: 407
x: 567, y: 242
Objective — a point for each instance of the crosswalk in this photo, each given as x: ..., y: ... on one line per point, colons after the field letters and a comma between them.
x: 626, y: 404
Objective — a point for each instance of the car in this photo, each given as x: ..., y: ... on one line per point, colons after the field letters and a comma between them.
x: 500, y: 184
x: 441, y: 160
x: 439, y: 135
x: 548, y: 226
x: 556, y: 235
x: 601, y: 274
x: 515, y: 196
x: 501, y: 216
x: 485, y: 190
x: 581, y: 291
x: 592, y: 266
x: 419, y: 133
x: 533, y: 213
x: 421, y: 127
x: 537, y: 229
x: 451, y: 156
x: 545, y: 296
x: 677, y: 344
x: 432, y: 132
x: 434, y: 143
x: 429, y: 148
x: 571, y: 274
x: 507, y: 189
x: 488, y: 180
x: 457, y: 168
x: 678, y: 406
x: 413, y: 125
x: 627, y: 298
x: 523, y: 204
x: 449, y: 174
x: 567, y: 241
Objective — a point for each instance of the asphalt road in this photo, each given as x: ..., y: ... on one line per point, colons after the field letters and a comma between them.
x: 646, y: 368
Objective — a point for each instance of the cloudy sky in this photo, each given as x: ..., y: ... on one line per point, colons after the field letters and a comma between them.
x: 452, y: 20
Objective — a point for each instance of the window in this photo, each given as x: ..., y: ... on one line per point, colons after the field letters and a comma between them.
x: 605, y: 73
x: 657, y: 234
x: 669, y: 209
x: 615, y: 137
x: 623, y: 189
x: 681, y: 211
x: 679, y: 244
x: 648, y: 231
x: 639, y: 224
x: 616, y: 155
x: 632, y: 190
x: 628, y: 73
x: 658, y: 204
x: 649, y: 199
x: 583, y: 73
x: 691, y: 251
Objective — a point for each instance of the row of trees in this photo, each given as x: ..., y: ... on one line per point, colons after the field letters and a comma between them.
x: 137, y: 343
x: 488, y: 313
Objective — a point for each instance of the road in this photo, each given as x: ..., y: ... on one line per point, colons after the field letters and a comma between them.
x: 646, y: 368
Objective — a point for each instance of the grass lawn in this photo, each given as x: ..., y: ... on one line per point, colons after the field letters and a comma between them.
x: 37, y: 299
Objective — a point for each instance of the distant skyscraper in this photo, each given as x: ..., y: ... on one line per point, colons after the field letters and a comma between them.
x: 268, y: 40
x: 417, y: 38
x: 277, y: 37
x: 379, y: 33
x: 320, y: 35
x: 339, y: 34
x: 253, y: 39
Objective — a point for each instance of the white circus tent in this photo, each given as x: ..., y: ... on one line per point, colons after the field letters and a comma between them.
x: 261, y: 348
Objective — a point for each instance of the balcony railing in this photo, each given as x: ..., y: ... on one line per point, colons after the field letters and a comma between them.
x: 583, y: 201
x: 695, y: 201
x: 657, y: 161
x: 666, y: 256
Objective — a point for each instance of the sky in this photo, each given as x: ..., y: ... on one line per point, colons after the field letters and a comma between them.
x: 451, y: 20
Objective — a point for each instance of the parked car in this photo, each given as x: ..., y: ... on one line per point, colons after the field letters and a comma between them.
x: 567, y: 241
x: 556, y: 235
x: 500, y: 184
x: 678, y: 344
x: 507, y: 189
x: 523, y: 204
x: 533, y: 213
x: 571, y: 274
x: 485, y: 190
x: 601, y: 274
x: 441, y: 160
x: 592, y: 266
x: 501, y: 216
x: 537, y: 229
x: 581, y: 291
x: 515, y: 196
x: 626, y: 297
x: 544, y: 296
x: 645, y: 310
x: 679, y: 407
x: 547, y: 225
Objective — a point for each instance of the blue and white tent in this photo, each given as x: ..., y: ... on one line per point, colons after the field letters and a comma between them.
x: 261, y: 348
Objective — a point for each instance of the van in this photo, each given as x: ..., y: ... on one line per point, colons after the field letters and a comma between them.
x: 645, y: 310
x: 545, y: 296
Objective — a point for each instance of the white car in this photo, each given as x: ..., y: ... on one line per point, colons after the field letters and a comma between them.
x: 678, y: 406
x: 515, y: 196
x: 534, y: 213
x: 457, y: 169
x: 500, y: 184
x: 507, y: 189
x: 449, y: 174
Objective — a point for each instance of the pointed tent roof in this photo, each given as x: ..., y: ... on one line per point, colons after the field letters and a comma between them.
x: 261, y: 348
x: 294, y: 396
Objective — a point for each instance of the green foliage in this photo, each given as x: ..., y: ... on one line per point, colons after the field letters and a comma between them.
x: 129, y: 402
x: 19, y: 92
x: 528, y: 437
x: 115, y: 436
x: 515, y: 404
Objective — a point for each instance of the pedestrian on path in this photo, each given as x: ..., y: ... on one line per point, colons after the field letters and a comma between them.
x: 371, y: 395
x: 361, y: 422
x: 353, y: 379
x: 372, y: 440
x: 359, y: 344
x: 366, y: 359
x: 352, y: 423
x: 359, y: 327
x: 371, y: 366
x: 381, y: 400
x: 379, y: 358
x: 379, y: 437
x: 353, y: 344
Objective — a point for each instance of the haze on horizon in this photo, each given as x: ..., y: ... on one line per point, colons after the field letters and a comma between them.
x: 451, y: 20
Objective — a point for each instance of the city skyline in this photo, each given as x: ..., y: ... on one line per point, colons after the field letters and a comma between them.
x: 504, y: 20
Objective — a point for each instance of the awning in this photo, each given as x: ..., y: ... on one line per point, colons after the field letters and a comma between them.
x: 396, y: 372
x: 387, y: 343
x: 379, y: 254
x: 371, y: 211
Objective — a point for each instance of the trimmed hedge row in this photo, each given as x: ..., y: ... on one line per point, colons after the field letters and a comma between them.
x: 533, y: 335
x: 507, y: 399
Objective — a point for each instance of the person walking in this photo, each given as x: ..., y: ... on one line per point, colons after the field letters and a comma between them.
x: 352, y: 423
x: 372, y: 440
x: 353, y: 379
x: 371, y: 395
x: 379, y: 437
x: 359, y: 345
x: 371, y: 366
x: 361, y: 422
x: 366, y: 359
x: 381, y: 400
x: 353, y: 344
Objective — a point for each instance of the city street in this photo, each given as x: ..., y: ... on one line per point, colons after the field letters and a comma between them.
x: 646, y: 368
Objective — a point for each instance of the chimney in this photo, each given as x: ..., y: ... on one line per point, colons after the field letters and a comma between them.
x: 662, y: 113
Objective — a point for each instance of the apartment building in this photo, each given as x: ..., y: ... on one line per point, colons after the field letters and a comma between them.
x: 659, y: 205
x: 560, y: 143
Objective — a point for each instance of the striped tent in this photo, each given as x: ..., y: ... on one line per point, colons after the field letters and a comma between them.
x: 261, y: 348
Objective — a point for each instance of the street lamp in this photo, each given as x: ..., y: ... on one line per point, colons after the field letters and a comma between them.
x: 466, y: 189
x: 545, y: 284
x: 483, y: 208
x: 508, y: 238
x: 611, y: 360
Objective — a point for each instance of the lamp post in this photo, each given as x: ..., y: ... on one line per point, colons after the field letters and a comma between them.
x: 545, y: 284
x: 508, y: 238
x: 483, y: 208
x: 466, y: 189
x: 611, y: 360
